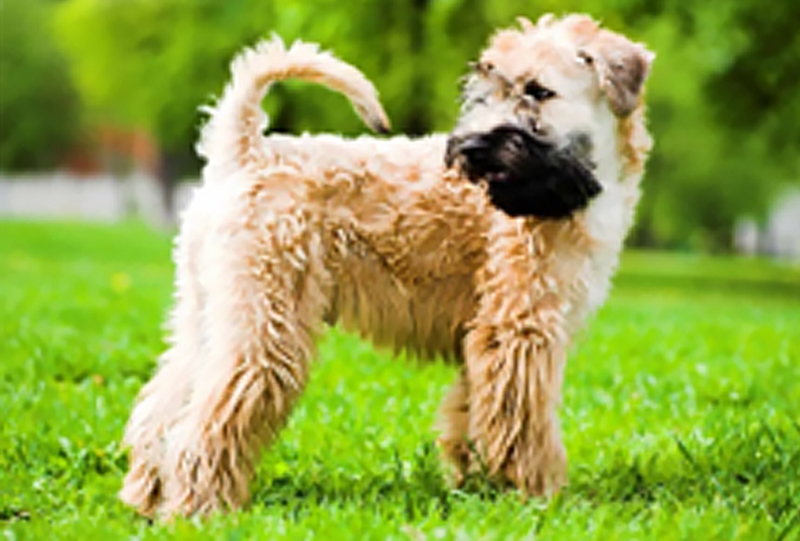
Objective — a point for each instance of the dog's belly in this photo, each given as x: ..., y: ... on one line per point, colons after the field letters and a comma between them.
x: 425, y: 320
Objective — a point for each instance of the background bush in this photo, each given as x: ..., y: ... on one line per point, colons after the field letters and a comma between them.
x: 724, y: 96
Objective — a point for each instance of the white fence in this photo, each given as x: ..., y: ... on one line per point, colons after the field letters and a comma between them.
x: 106, y: 198
x: 94, y: 198
x: 779, y: 236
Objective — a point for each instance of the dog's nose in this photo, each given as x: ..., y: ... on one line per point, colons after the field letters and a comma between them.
x: 474, y: 145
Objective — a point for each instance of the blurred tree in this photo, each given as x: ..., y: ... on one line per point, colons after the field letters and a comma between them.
x: 757, y: 92
x: 723, y: 94
x: 714, y: 159
x: 150, y: 63
x: 39, y: 108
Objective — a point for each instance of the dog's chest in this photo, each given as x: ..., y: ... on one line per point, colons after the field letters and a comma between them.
x: 606, y: 223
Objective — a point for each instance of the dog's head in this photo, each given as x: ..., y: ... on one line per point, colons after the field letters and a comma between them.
x: 540, y: 114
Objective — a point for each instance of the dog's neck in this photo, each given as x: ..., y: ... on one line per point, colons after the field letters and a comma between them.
x: 610, y: 216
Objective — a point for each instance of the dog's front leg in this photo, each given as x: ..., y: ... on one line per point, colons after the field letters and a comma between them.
x: 515, y: 355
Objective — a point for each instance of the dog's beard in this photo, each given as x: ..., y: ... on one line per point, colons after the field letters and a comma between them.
x: 525, y: 174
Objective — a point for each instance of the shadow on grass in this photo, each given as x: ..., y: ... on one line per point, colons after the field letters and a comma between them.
x: 414, y: 487
x: 411, y: 488
x: 749, y: 471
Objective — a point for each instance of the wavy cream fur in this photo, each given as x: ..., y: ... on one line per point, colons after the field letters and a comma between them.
x: 287, y: 234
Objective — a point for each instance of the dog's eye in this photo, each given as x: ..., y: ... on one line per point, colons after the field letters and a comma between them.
x: 585, y: 57
x: 538, y: 92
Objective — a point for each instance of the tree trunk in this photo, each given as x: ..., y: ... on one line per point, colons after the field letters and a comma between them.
x: 419, y: 115
x: 174, y: 164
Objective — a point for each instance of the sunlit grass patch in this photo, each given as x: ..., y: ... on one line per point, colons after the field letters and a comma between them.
x: 679, y: 415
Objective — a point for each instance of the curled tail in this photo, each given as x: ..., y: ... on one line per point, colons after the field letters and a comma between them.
x: 233, y: 133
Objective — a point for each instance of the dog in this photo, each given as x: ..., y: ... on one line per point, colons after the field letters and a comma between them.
x: 489, y: 246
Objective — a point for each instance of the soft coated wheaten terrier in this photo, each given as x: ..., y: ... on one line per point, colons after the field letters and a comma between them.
x: 489, y: 246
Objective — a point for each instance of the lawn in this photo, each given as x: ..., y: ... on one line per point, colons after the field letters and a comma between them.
x: 680, y: 410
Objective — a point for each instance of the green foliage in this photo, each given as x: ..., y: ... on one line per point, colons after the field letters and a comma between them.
x: 709, y: 167
x: 150, y: 63
x: 679, y: 410
x: 724, y: 97
x: 759, y: 86
x: 38, y: 104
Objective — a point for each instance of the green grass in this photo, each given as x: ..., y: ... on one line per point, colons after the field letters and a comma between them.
x: 680, y: 410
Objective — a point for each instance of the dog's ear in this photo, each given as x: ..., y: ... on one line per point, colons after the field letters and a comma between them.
x: 525, y: 24
x: 622, y: 67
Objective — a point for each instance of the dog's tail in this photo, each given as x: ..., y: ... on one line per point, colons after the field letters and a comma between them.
x: 234, y: 129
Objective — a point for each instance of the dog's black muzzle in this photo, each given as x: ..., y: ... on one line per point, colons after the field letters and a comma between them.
x: 526, y: 175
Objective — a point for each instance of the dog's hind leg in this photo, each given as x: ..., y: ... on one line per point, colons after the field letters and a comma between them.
x: 160, y: 401
x: 264, y: 284
x: 515, y: 355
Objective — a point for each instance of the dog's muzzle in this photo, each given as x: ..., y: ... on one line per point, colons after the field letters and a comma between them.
x: 525, y: 174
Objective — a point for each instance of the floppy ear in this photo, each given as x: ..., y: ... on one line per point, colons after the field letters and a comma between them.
x: 622, y: 67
